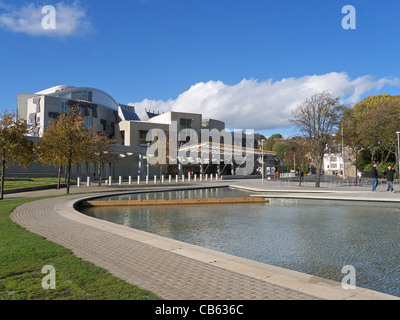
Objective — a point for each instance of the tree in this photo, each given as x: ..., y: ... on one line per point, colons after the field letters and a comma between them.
x: 272, y: 140
x: 376, y: 121
x: 101, y: 151
x: 47, y: 152
x: 351, y: 136
x: 317, y: 118
x: 66, y: 142
x: 14, y: 146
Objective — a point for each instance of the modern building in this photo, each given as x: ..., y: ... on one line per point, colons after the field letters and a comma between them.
x: 103, y: 113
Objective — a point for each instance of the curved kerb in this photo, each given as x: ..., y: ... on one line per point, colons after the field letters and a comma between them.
x: 169, y: 268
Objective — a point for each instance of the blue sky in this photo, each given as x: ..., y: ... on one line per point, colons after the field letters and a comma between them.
x: 247, y: 63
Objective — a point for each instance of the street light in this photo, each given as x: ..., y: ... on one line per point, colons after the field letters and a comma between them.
x: 262, y: 160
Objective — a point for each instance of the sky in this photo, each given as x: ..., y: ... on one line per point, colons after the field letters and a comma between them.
x: 245, y: 62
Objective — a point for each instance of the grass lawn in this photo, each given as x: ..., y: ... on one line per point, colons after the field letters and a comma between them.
x: 24, y: 254
x: 15, y: 183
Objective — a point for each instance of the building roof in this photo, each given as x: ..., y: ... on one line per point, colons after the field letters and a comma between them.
x: 103, y: 97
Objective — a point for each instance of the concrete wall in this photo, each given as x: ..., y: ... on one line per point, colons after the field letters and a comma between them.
x: 131, y: 130
x: 22, y: 101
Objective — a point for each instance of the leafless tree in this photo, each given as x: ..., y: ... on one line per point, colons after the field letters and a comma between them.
x: 318, y: 118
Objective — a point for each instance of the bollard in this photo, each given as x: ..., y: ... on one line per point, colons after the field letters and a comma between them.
x: 120, y: 180
x: 88, y: 182
x: 78, y: 182
x: 169, y: 179
x: 162, y: 179
x: 130, y: 180
x: 155, y: 179
x: 147, y: 179
x: 176, y: 178
x: 183, y: 178
x: 195, y: 177
x: 206, y: 178
x: 138, y: 179
x: 211, y: 177
x: 201, y: 177
x: 188, y: 177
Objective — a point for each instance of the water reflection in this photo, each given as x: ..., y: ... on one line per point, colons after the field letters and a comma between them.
x: 316, y: 237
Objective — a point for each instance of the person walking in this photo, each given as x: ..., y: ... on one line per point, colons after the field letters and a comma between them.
x: 389, y: 173
x: 374, y: 176
x: 277, y: 175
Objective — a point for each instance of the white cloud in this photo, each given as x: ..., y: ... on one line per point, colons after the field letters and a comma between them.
x: 71, y: 19
x: 262, y: 105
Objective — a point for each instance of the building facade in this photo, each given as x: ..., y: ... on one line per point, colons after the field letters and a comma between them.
x: 339, y: 162
x: 102, y: 112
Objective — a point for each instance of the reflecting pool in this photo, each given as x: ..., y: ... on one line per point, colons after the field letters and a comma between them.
x: 318, y: 237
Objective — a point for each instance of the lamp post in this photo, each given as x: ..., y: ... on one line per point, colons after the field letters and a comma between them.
x: 262, y: 160
x: 344, y: 161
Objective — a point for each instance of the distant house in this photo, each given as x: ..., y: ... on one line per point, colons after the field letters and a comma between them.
x: 337, y: 162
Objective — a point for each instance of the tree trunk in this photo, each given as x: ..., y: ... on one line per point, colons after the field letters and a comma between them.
x: 69, y: 174
x: 356, y: 167
x: 59, y: 178
x: 387, y: 157
x: 99, y: 173
x: 318, y: 178
x: 3, y: 174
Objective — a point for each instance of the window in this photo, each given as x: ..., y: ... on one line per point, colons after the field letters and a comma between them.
x: 64, y: 107
x: 142, y: 137
x: 185, y: 124
x: 88, y: 122
x: 104, y: 124
x: 89, y: 118
x: 333, y: 159
x: 53, y: 115
x: 123, y: 137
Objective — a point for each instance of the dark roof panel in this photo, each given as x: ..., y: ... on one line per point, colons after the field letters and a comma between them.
x: 130, y: 115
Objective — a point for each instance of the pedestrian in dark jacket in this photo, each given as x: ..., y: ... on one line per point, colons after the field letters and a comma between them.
x: 389, y: 173
x: 374, y: 176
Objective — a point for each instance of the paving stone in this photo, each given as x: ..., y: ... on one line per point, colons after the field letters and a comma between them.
x: 167, y: 274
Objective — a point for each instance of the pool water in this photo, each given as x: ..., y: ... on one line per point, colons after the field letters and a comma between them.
x: 317, y: 237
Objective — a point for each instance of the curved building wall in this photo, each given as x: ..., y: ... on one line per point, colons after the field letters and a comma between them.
x: 100, y: 97
x: 93, y: 95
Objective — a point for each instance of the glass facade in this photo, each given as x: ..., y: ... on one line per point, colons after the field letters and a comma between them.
x: 64, y: 107
x: 78, y: 95
x: 89, y: 118
x: 185, y: 124
x: 142, y: 137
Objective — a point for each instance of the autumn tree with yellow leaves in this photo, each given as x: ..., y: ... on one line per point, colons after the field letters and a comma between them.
x: 15, y: 148
x: 66, y: 142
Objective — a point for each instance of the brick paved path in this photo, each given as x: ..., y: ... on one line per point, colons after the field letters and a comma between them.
x: 166, y: 274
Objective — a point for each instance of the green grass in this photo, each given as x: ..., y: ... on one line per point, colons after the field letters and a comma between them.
x: 15, y: 183
x: 24, y: 254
